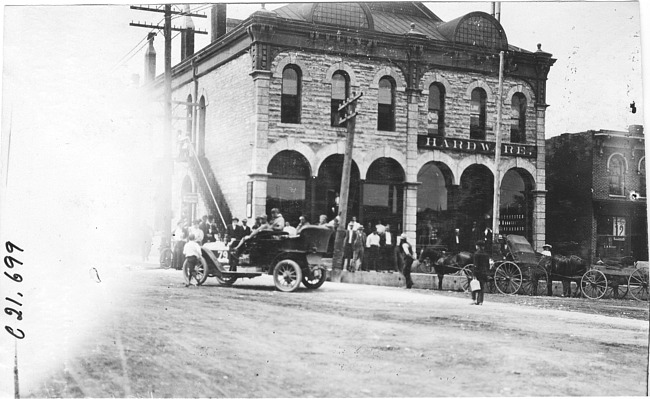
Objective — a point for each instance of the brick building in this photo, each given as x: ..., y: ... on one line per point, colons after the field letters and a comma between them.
x: 266, y: 131
x: 596, y: 199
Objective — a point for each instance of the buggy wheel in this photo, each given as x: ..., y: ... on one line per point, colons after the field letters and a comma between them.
x: 287, y: 275
x: 200, y: 271
x: 638, y: 284
x: 166, y: 258
x: 530, y: 285
x: 594, y: 284
x: 508, y: 278
x: 466, y: 275
x: 318, y: 277
x: 616, y: 288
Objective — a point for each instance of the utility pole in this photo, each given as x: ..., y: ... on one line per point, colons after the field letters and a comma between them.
x: 497, y: 157
x: 351, y: 114
x: 167, y: 160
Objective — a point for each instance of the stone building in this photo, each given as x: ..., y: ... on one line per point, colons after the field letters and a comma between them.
x: 597, y: 204
x: 267, y: 90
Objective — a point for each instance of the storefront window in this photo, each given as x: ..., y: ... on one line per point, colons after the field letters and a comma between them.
x: 611, y: 236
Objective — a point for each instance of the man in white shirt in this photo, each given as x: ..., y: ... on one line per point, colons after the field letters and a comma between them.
x: 192, y: 252
x: 372, y: 245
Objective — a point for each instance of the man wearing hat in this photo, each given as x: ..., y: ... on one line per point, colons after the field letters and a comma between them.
x: 405, y: 259
x: 234, y: 233
x: 481, y: 268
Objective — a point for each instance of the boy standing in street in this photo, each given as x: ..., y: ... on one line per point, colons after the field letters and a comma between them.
x: 192, y: 252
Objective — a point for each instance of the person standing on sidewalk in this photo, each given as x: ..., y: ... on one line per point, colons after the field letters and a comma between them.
x: 405, y: 259
x: 481, y: 268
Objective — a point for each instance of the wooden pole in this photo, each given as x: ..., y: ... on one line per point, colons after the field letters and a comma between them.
x: 497, y: 157
x: 344, y: 193
x: 168, y: 168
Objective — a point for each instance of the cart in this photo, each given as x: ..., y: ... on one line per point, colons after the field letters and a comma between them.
x: 289, y: 259
x: 607, y: 281
x: 520, y: 270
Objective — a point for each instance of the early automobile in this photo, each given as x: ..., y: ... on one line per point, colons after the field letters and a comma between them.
x: 289, y: 259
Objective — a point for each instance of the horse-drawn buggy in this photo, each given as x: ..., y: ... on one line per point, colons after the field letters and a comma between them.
x: 614, y: 279
x: 289, y: 259
x: 515, y: 268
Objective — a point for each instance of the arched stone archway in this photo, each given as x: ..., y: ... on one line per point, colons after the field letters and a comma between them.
x: 289, y: 185
x: 433, y: 211
x: 516, y: 203
x: 472, y: 206
x: 383, y: 194
x: 325, y: 192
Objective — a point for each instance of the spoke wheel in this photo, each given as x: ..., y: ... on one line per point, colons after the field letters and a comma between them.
x: 616, y: 285
x: 594, y: 284
x: 200, y: 271
x: 530, y: 285
x: 287, y: 275
x: 318, y: 277
x: 466, y: 275
x: 638, y: 284
x: 226, y: 280
x: 166, y: 258
x: 508, y: 278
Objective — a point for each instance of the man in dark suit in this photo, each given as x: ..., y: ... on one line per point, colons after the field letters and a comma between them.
x: 350, y: 240
x: 234, y: 233
x: 205, y: 228
x: 246, y: 227
x: 481, y: 268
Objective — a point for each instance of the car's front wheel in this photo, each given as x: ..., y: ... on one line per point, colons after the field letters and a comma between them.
x: 287, y: 275
x: 200, y: 271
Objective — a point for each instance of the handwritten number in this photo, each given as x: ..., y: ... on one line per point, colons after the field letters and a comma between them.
x: 10, y: 260
x: 16, y: 277
x: 11, y: 331
x: 10, y: 247
x: 11, y: 311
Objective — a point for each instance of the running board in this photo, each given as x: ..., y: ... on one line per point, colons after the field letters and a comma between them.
x: 220, y: 271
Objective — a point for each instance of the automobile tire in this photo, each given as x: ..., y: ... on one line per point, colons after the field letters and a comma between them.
x: 318, y: 278
x: 287, y: 275
x: 201, y: 272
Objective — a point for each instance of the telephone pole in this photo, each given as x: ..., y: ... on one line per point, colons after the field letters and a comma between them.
x: 351, y: 115
x: 167, y: 160
x: 497, y: 157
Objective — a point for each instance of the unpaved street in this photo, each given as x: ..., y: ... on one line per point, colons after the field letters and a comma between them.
x: 161, y: 339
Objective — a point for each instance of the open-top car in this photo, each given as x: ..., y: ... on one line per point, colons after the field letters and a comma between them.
x: 290, y: 259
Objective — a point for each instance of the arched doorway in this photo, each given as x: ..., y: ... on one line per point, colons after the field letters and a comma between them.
x: 433, y: 213
x: 189, y: 199
x: 473, y: 205
x: 516, y: 204
x: 327, y: 186
x: 288, y: 186
x: 383, y: 194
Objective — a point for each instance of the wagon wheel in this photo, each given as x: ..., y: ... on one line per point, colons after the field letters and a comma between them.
x: 318, y: 277
x: 166, y: 258
x: 466, y: 275
x: 530, y: 285
x: 508, y: 278
x: 287, y: 275
x: 200, y: 270
x: 594, y: 284
x: 638, y: 284
x: 617, y: 288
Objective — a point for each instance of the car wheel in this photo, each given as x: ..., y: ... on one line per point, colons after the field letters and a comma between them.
x: 200, y: 270
x: 317, y: 279
x: 287, y: 275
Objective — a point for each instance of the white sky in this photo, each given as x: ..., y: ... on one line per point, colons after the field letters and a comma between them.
x: 78, y: 156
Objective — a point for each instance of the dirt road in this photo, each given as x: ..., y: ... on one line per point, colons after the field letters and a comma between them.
x: 153, y: 337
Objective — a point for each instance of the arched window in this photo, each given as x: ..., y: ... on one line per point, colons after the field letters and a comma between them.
x: 340, y: 87
x: 436, y: 116
x: 642, y: 188
x: 201, y: 140
x: 616, y: 175
x: 290, y: 112
x: 518, y: 121
x: 386, y: 105
x: 188, y: 128
x: 477, y: 114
